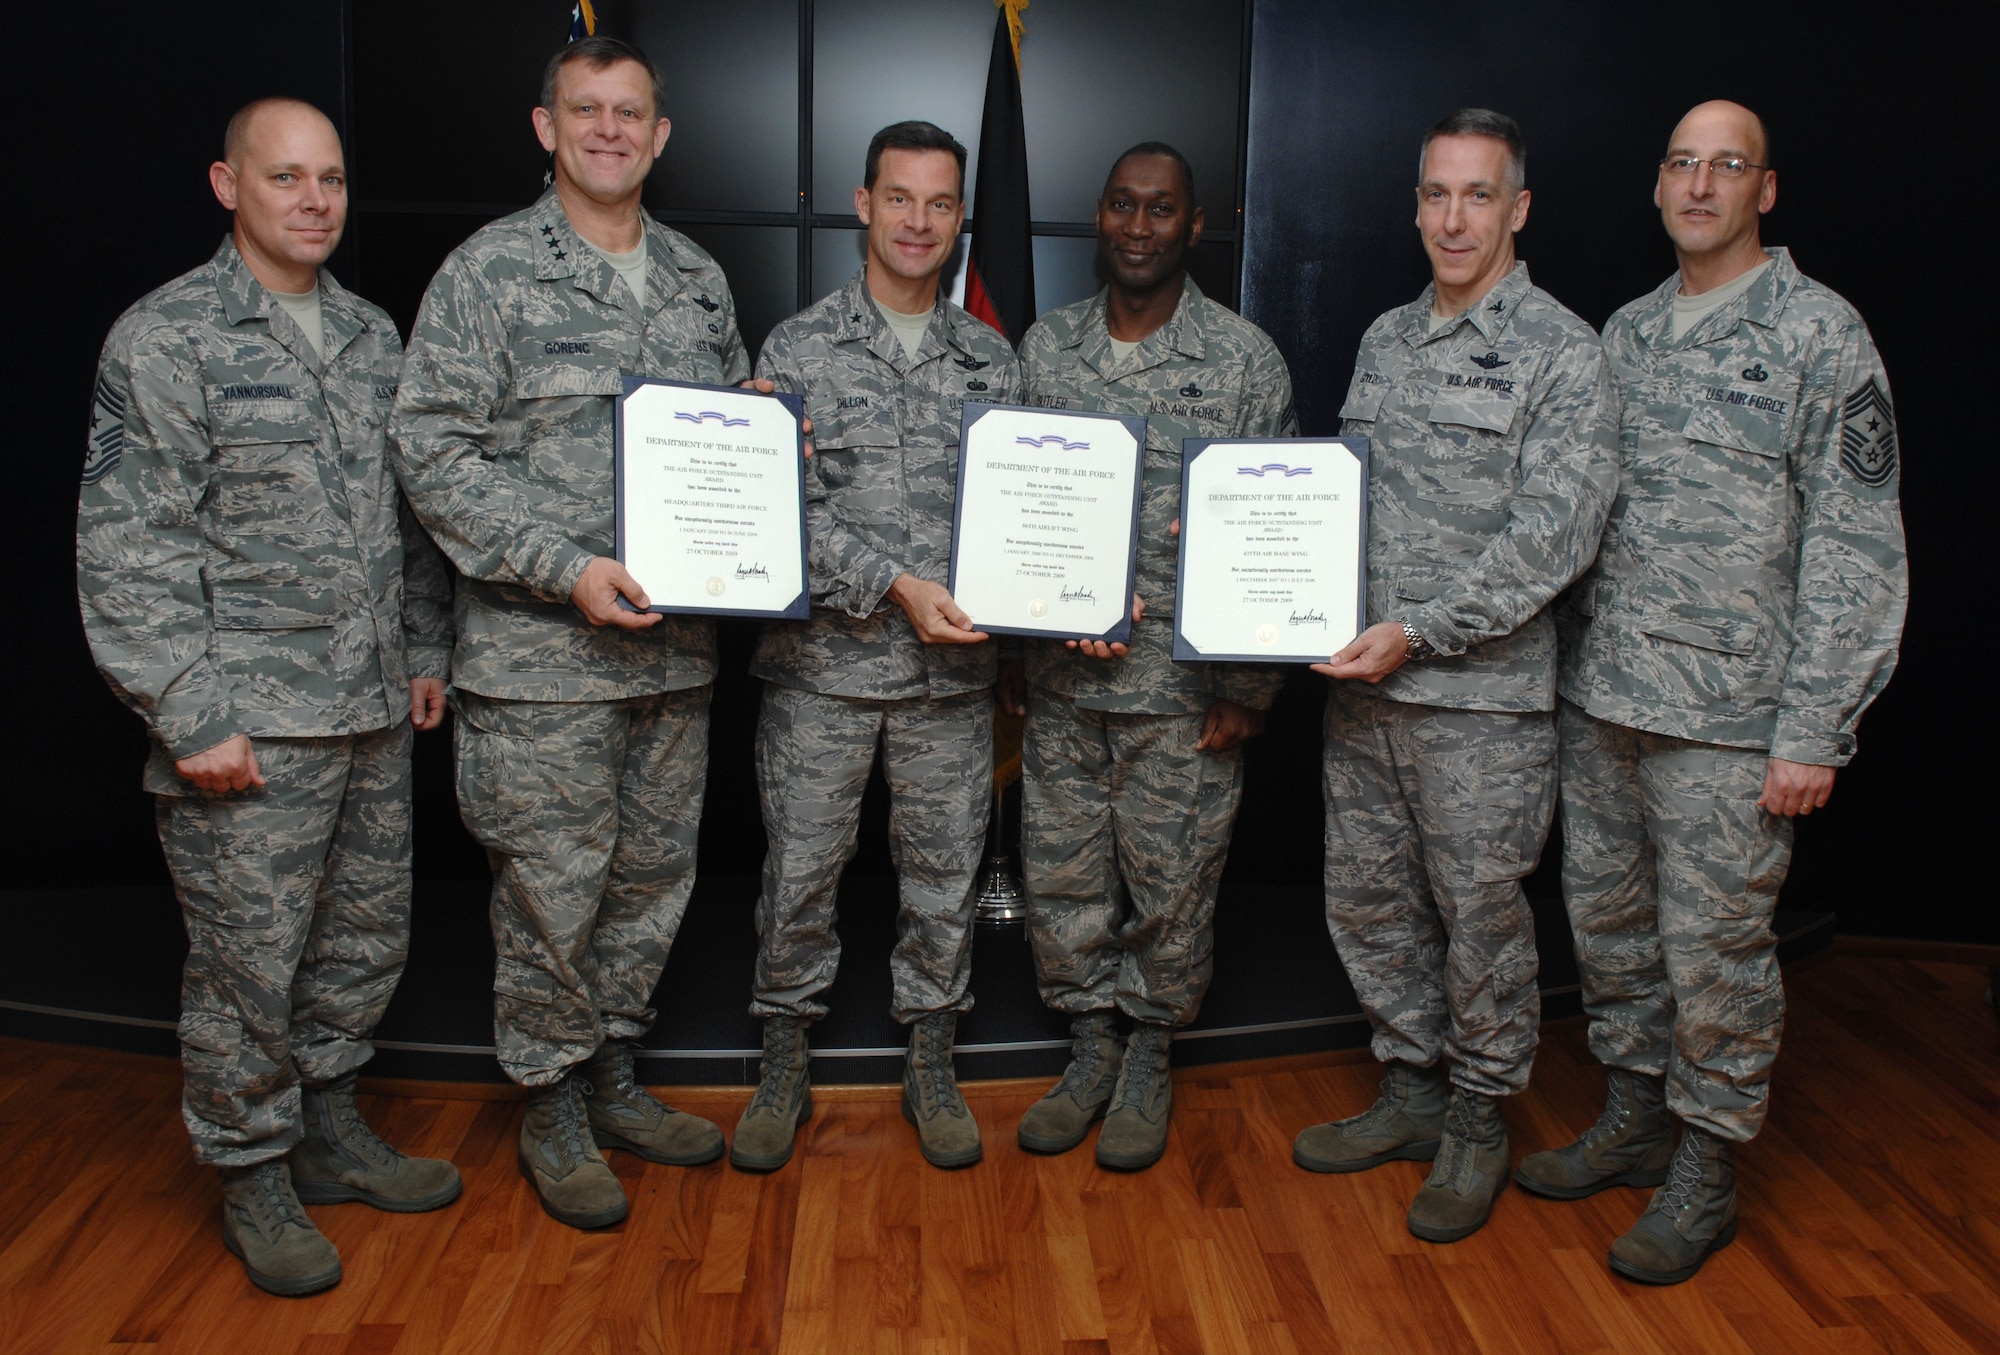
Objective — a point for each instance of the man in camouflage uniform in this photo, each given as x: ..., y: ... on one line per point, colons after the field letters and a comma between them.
x: 1744, y: 611
x: 254, y: 588
x: 885, y: 366
x: 582, y: 731
x: 1493, y: 454
x: 1133, y: 763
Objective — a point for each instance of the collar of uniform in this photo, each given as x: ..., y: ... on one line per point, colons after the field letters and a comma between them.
x: 556, y: 245
x: 861, y: 321
x: 1762, y: 305
x: 667, y: 259
x: 1182, y: 333
x: 245, y: 298
x: 1489, y: 316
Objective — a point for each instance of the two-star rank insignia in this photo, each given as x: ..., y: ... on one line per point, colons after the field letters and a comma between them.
x: 1191, y: 391
x: 1489, y: 361
x: 972, y: 364
x: 1868, y: 435
x: 1756, y: 372
x: 707, y: 305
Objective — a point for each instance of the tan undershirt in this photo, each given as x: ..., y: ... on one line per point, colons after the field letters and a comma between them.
x: 908, y: 329
x: 1690, y: 311
x: 631, y: 267
x: 303, y: 307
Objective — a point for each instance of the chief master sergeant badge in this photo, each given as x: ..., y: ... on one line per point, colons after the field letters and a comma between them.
x: 254, y: 588
x: 1744, y: 611
x: 582, y: 728
x: 1494, y: 453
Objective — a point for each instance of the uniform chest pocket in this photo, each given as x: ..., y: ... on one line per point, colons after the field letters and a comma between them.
x: 1487, y: 411
x: 850, y: 443
x: 1365, y: 397
x: 1737, y: 427
x: 266, y: 467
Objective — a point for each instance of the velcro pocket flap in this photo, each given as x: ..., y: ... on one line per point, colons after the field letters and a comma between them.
x: 1723, y: 632
x: 1736, y: 427
x: 1494, y: 413
x: 1364, y: 399
x: 272, y: 606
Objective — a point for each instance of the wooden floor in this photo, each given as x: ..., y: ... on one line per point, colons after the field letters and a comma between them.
x: 1871, y: 1221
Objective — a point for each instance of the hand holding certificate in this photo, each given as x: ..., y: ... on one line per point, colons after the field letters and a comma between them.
x: 711, y: 498
x: 1048, y: 521
x: 1274, y: 542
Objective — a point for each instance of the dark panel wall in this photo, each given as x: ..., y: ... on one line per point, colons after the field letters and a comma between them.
x: 1866, y: 108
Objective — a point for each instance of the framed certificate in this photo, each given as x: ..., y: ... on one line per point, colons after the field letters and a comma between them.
x: 711, y: 499
x: 1274, y: 548
x: 1047, y: 521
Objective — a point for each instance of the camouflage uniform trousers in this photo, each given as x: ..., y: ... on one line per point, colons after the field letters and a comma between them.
x: 296, y: 898
x: 814, y: 753
x: 1109, y: 796
x: 1671, y: 876
x: 588, y: 811
x: 1434, y: 816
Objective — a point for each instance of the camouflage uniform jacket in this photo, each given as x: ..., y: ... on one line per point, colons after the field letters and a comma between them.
x: 1206, y: 373
x: 1752, y: 584
x: 244, y: 563
x: 1493, y: 456
x: 879, y: 491
x: 503, y: 438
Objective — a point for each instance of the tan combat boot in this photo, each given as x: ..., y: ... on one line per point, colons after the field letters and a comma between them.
x: 1470, y: 1171
x: 1402, y: 1125
x: 341, y: 1158
x: 1058, y: 1122
x: 1690, y: 1217
x: 947, y: 1135
x: 782, y: 1103
x: 626, y: 1116
x: 558, y: 1157
x: 1630, y: 1145
x: 266, y: 1228
x: 1134, y: 1136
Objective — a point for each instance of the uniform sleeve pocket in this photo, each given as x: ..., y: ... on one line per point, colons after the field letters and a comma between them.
x: 276, y: 607
x: 1364, y: 400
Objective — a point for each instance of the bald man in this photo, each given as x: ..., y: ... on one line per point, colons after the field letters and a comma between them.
x: 254, y: 588
x: 1744, y: 610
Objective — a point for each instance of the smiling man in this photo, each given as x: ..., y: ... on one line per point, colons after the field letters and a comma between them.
x: 1493, y: 452
x: 1133, y: 762
x: 887, y: 662
x: 582, y: 727
x: 254, y: 588
x: 1744, y: 612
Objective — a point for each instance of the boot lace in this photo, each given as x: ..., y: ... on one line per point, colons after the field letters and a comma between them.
x: 781, y: 1047
x: 937, y: 1086
x: 1617, y: 1113
x: 1460, y: 1129
x: 1683, y: 1176
x: 270, y: 1205
x: 351, y: 1132
x: 1086, y: 1063
x: 1141, y: 1071
x: 568, y: 1130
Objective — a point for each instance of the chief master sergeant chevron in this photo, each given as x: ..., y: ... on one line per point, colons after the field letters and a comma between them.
x: 1494, y: 454
x: 253, y: 587
x: 1744, y: 611
x: 582, y: 728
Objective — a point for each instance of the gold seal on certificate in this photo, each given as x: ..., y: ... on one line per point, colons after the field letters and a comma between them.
x: 1274, y: 538
x: 1047, y: 521
x: 711, y: 498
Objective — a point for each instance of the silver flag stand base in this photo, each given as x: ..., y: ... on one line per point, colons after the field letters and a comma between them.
x: 999, y: 897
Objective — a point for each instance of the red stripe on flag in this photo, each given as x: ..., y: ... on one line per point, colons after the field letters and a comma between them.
x: 978, y: 303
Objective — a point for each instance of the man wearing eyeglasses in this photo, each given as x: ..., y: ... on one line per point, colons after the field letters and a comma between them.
x: 1494, y: 453
x: 1744, y: 610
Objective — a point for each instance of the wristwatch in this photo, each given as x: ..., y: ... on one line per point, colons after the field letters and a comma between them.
x: 1419, y: 647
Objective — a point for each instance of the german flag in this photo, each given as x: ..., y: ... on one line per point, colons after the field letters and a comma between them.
x: 1000, y: 275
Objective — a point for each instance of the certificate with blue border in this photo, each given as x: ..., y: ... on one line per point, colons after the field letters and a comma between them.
x: 1046, y: 525
x: 1273, y: 549
x: 711, y: 499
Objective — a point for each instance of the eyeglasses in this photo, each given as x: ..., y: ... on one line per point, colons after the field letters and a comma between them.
x: 1722, y: 166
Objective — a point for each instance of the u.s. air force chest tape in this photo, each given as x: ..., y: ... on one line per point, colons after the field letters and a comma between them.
x: 710, y: 486
x: 1046, y: 531
x: 1273, y: 548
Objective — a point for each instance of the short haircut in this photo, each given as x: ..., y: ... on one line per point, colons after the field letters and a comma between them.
x: 911, y: 136
x: 600, y: 52
x: 1483, y: 122
x: 1763, y: 134
x: 238, y: 130
x: 1159, y: 148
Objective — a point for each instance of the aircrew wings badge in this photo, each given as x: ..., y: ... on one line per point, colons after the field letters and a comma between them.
x: 1868, y: 435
